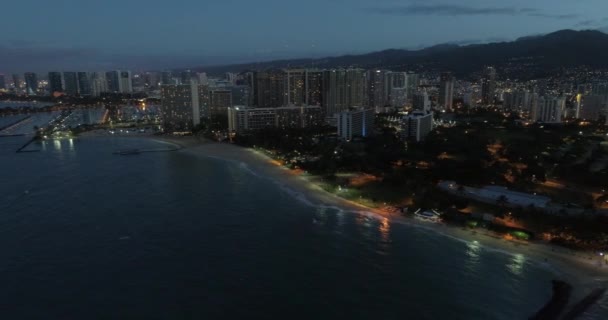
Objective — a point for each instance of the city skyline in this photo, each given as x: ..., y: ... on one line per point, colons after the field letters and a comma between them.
x: 199, y: 34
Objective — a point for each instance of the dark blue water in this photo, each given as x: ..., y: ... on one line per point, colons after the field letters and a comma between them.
x: 85, y: 234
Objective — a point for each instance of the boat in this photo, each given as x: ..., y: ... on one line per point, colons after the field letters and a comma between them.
x: 428, y: 215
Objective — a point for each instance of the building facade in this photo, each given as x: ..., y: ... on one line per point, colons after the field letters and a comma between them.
x: 355, y: 123
x: 180, y: 107
x: 71, y: 83
x: 416, y: 126
x: 446, y: 91
x: 242, y: 119
x: 31, y: 83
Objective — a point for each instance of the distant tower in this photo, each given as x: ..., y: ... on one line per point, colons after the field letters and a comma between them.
x: 71, y: 83
x: 446, y: 91
x: 113, y: 80
x: 16, y: 81
x: 84, y: 84
x: 488, y: 86
x: 2, y: 82
x: 31, y: 83
x: 125, y: 84
x: 186, y: 77
x: 376, y: 89
x: 55, y: 82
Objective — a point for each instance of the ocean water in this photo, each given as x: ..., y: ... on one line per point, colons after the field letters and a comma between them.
x: 85, y: 234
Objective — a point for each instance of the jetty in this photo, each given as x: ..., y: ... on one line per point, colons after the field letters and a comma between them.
x: 13, y: 124
x: 22, y: 148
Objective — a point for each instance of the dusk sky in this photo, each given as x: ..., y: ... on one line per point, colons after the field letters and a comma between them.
x: 39, y: 35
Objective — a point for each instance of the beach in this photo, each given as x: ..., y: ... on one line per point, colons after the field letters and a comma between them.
x: 582, y: 270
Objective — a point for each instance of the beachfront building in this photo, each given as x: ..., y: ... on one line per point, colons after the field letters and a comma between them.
x: 241, y: 118
x: 180, y: 109
x: 416, y: 126
x: 496, y: 194
x: 355, y: 123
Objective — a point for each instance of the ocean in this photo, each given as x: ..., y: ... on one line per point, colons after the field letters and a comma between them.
x: 86, y: 234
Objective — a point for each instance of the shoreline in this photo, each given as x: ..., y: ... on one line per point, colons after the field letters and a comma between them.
x: 571, y: 266
x: 568, y: 265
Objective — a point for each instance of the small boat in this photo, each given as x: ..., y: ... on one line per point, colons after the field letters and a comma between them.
x: 431, y: 216
x: 128, y: 152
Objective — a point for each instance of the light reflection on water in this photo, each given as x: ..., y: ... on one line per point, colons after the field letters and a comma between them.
x: 474, y: 255
x: 516, y: 264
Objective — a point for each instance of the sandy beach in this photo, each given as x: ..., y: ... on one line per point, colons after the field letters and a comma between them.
x: 583, y: 270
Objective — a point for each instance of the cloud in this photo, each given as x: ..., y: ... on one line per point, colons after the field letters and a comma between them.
x: 459, y: 10
x: 586, y: 23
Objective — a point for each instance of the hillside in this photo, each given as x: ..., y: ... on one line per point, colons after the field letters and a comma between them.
x: 538, y: 54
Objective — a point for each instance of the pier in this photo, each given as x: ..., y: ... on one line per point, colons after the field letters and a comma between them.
x: 13, y: 125
x: 21, y: 149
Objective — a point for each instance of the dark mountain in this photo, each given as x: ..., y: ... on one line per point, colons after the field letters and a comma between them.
x: 566, y: 48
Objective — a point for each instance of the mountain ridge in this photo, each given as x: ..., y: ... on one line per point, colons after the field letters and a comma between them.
x: 541, y: 54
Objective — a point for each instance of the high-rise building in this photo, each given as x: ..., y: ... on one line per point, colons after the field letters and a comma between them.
x: 377, y: 84
x: 314, y: 87
x: 592, y: 107
x: 269, y: 89
x: 165, y: 78
x: 202, y: 78
x: 71, y: 83
x: 355, y: 123
x: 296, y: 87
x: 2, y: 82
x: 219, y: 101
x: 549, y: 109
x: 413, y: 80
x: 343, y: 89
x: 84, y: 84
x: 125, y: 85
x: 16, y: 82
x: 241, y: 119
x: 231, y: 77
x: 488, y: 86
x: 396, y: 88
x: 55, y: 82
x: 416, y: 126
x: 421, y: 102
x: 180, y: 108
x: 99, y: 84
x: 446, y: 91
x: 185, y: 77
x: 240, y: 95
x: 519, y: 100
x: 113, y: 81
x: 31, y: 83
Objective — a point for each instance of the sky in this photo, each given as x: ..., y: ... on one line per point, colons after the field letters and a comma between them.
x: 41, y: 35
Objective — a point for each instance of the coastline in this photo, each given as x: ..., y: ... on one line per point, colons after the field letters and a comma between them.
x: 571, y: 266
x: 574, y: 267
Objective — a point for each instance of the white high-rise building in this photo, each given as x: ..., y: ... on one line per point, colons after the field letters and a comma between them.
x: 416, y: 126
x: 549, y: 109
x: 356, y: 123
